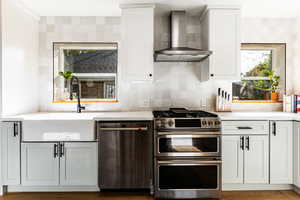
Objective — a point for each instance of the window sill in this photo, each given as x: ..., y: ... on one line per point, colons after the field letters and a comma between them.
x: 86, y: 101
x: 256, y: 101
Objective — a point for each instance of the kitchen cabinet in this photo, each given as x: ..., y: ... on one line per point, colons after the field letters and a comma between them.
x: 40, y: 164
x: 10, y: 152
x: 61, y: 163
x: 256, y: 159
x: 297, y: 154
x: 232, y: 156
x: 245, y: 152
x: 281, y: 152
x: 78, y: 164
x: 220, y: 28
x: 242, y: 164
x: 137, y: 41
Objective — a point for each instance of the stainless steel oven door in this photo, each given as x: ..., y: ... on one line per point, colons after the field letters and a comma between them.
x: 188, y: 145
x: 178, y: 179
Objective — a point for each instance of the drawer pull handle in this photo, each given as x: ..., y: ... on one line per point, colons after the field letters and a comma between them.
x: 244, y: 127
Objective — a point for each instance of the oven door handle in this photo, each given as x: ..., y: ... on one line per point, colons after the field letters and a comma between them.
x: 125, y: 129
x: 190, y: 136
x: 214, y: 133
x: 188, y: 162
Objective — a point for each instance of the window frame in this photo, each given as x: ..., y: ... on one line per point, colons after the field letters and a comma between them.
x: 84, y: 46
x: 263, y: 78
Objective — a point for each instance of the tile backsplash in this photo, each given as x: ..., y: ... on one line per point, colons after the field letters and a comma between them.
x: 174, y: 84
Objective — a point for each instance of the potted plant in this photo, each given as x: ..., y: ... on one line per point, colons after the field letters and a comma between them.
x: 67, y: 75
x: 275, y: 79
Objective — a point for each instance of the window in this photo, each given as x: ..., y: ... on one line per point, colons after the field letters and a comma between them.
x: 94, y: 64
x: 259, y: 63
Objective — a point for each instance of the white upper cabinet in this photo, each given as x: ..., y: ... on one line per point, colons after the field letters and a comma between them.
x: 78, y: 164
x: 10, y: 152
x: 221, y: 34
x: 281, y: 152
x: 137, y: 42
x: 297, y: 154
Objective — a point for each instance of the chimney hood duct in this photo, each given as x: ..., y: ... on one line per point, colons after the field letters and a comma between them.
x: 179, y: 52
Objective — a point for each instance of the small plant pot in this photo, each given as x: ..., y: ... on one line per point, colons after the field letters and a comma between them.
x: 274, y: 96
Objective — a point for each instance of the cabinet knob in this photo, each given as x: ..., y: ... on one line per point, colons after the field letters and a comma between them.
x: 211, y: 75
x: 150, y: 75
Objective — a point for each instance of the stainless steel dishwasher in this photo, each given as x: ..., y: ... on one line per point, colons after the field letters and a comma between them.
x: 125, y: 154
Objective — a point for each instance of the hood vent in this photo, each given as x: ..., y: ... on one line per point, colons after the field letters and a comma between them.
x: 179, y: 52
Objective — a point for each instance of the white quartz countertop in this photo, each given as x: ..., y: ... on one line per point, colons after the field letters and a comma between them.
x: 144, y: 115
x: 98, y: 116
x: 258, y: 116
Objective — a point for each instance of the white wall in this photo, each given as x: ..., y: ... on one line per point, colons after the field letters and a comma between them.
x: 260, y: 30
x: 169, y: 88
x: 274, y: 30
x: 19, y: 59
x: 0, y: 63
x: 175, y: 84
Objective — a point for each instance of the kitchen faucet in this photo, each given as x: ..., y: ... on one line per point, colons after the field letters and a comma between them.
x: 75, y: 87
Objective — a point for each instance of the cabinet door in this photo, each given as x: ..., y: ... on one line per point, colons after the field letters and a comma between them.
x: 281, y: 152
x: 232, y: 155
x: 10, y: 148
x: 137, y: 43
x: 40, y: 164
x: 79, y: 164
x: 256, y: 159
x: 297, y: 154
x: 224, y: 41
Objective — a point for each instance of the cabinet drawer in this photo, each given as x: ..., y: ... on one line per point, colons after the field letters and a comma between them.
x: 245, y: 127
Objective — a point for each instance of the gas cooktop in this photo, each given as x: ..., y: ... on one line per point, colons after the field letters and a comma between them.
x: 182, y: 113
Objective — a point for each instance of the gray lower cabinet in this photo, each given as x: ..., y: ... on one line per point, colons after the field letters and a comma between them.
x: 78, y: 164
x: 281, y: 152
x: 59, y: 164
x: 10, y: 152
x: 39, y: 164
x: 296, y: 159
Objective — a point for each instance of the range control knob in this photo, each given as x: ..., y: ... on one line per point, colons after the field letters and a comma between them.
x: 158, y: 123
x: 210, y: 123
x: 204, y: 123
x: 170, y: 123
x: 217, y: 123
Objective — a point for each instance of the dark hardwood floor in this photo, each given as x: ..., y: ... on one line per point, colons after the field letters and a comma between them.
x: 249, y: 195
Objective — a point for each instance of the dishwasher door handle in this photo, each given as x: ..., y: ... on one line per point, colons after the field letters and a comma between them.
x: 125, y: 129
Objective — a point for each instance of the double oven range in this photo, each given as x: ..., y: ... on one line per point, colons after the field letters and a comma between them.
x: 187, y: 154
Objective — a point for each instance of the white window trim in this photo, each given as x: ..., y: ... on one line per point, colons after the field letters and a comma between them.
x: 106, y: 46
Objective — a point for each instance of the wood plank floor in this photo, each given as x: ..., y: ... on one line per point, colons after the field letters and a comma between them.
x: 249, y: 195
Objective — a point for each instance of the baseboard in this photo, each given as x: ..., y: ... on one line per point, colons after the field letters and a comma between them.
x: 235, y: 187
x: 297, y: 190
x: 53, y: 189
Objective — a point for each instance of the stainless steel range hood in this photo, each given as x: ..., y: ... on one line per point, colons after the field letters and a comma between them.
x: 179, y: 52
